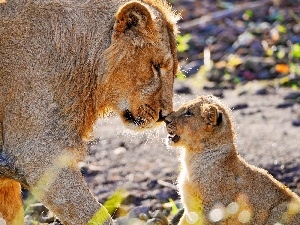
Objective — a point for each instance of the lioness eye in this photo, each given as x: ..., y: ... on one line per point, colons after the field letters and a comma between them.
x: 157, y: 68
x: 188, y: 113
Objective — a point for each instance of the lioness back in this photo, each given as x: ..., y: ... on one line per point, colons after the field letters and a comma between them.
x: 63, y: 65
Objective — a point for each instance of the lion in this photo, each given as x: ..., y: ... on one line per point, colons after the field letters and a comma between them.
x: 64, y: 64
x: 216, y: 185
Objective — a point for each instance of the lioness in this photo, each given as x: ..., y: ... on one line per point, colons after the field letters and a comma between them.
x: 64, y: 63
x: 216, y: 185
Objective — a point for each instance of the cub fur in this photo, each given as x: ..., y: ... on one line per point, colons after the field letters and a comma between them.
x: 216, y: 185
x: 63, y: 64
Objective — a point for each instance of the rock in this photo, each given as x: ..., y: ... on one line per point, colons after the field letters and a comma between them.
x: 38, y: 208
x: 259, y: 28
x: 240, y: 106
x: 152, y: 183
x: 141, y: 215
x: 37, y: 213
x: 248, y: 75
x: 262, y: 91
x: 264, y: 74
x: 292, y: 95
x: 284, y: 105
x: 228, y: 36
x: 44, y: 219
x: 177, y: 217
x: 296, y: 123
x: 165, y: 194
x: 91, y: 169
x: 218, y: 93
x: 132, y: 199
x: 191, y: 67
x: 139, y: 211
x: 256, y: 48
x: 158, y: 218
x: 119, y: 151
x: 137, y: 216
x: 183, y: 90
x: 296, y: 28
x: 295, y: 39
x: 245, y: 39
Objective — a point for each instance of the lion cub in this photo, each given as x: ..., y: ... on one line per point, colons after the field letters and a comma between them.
x: 216, y: 185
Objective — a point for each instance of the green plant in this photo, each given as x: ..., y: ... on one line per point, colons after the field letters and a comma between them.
x: 180, y: 75
x: 110, y: 205
x: 174, y: 207
x: 182, y: 41
x: 171, y: 204
x: 115, y: 200
x: 295, y: 51
x: 248, y: 14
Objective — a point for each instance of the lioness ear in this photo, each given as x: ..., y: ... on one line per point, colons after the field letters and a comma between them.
x: 133, y: 16
x: 211, y: 115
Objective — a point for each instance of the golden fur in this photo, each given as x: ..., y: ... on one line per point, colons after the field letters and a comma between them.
x: 64, y: 64
x: 216, y: 185
x: 11, y: 208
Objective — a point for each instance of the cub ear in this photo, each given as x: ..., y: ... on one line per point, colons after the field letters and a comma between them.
x: 133, y: 16
x: 211, y: 115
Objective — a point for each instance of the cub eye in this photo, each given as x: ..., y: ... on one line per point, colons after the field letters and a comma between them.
x: 188, y: 113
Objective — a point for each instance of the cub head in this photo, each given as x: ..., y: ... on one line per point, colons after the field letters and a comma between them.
x: 142, y: 63
x: 203, y: 122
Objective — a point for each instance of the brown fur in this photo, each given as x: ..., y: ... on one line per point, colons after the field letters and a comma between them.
x: 216, y: 185
x: 11, y: 203
x: 64, y: 64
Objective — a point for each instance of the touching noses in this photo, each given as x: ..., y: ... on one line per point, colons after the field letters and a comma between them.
x: 161, y: 117
x: 166, y: 109
x: 168, y: 119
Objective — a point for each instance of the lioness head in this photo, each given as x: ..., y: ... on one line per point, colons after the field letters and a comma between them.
x: 142, y: 63
x: 205, y: 120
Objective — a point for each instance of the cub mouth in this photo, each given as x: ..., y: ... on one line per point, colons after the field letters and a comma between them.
x: 174, y: 137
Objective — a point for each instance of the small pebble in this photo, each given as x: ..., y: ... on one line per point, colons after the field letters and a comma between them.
x: 296, y: 123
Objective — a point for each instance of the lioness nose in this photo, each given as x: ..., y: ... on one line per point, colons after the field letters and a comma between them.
x: 161, y: 117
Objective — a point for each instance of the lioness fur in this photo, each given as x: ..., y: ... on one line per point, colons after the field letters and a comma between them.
x: 62, y: 65
x: 216, y: 185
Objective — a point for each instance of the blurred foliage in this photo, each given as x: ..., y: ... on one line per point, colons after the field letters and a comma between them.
x: 174, y: 207
x: 295, y: 51
x: 276, y: 15
x: 115, y: 201
x: 255, y: 44
x: 180, y: 75
x: 248, y: 14
x: 182, y: 41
